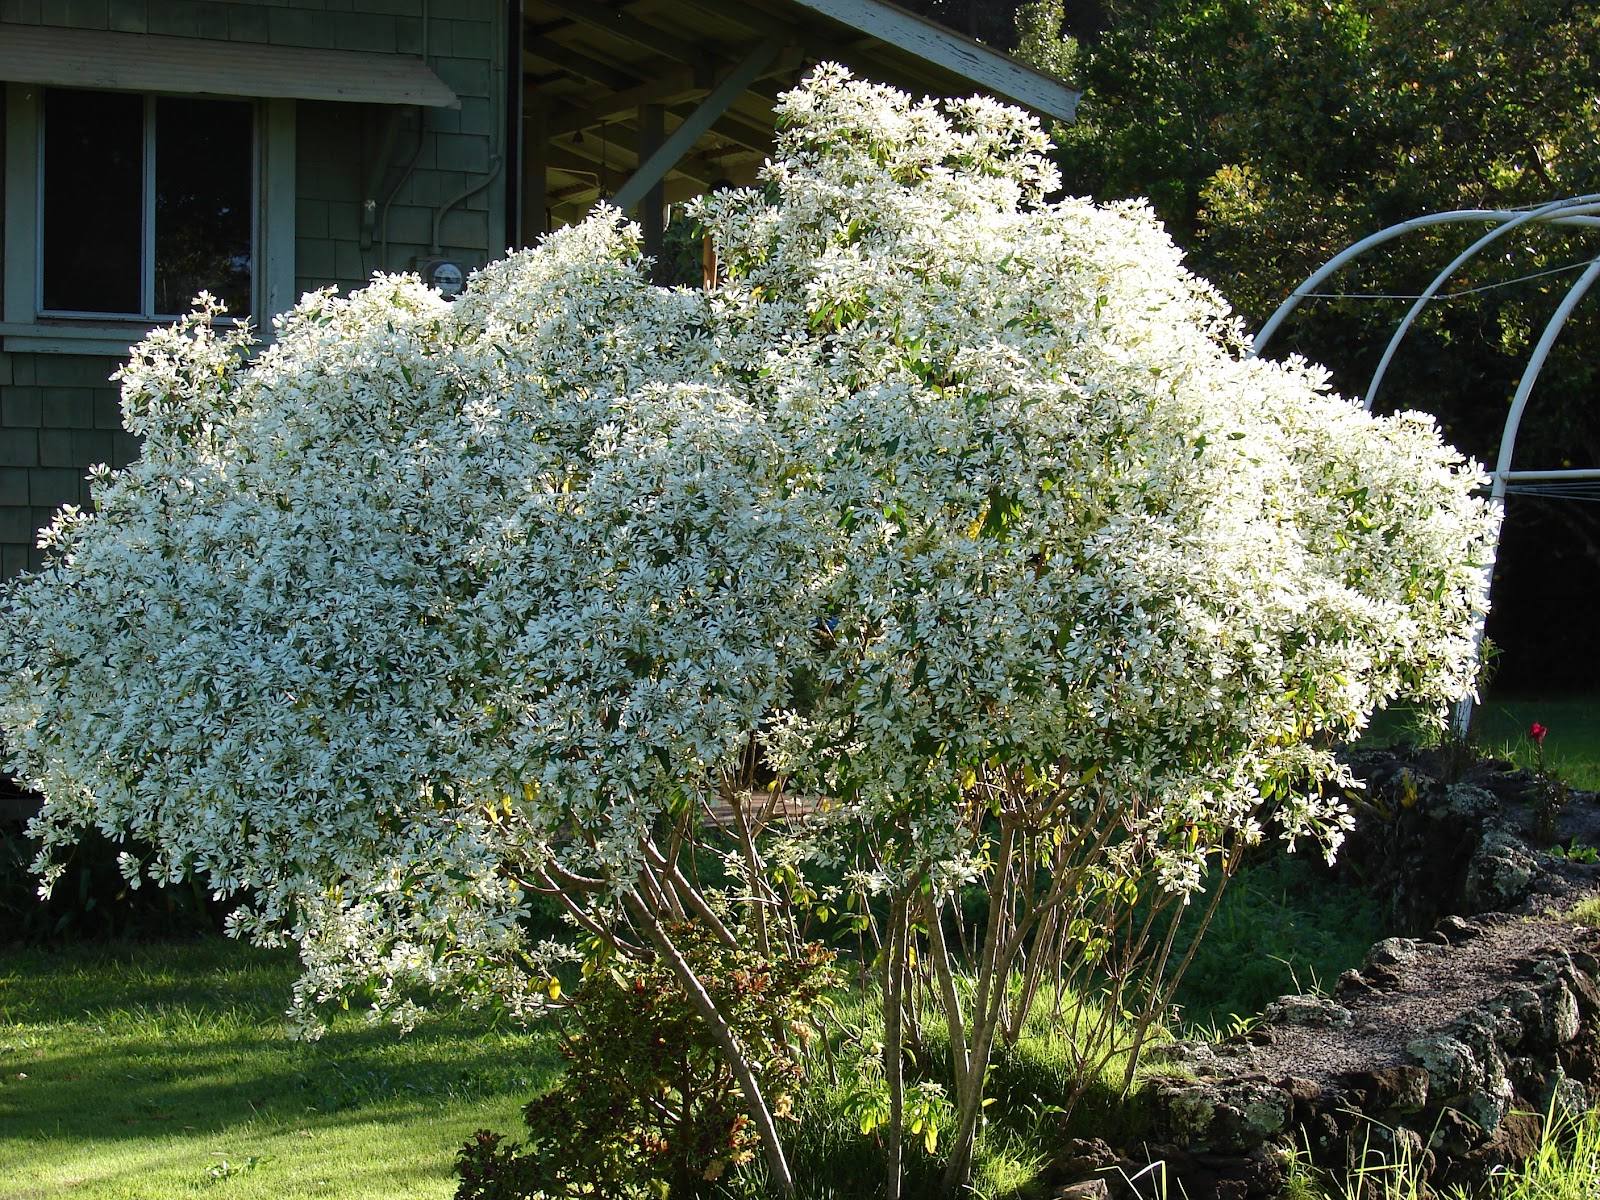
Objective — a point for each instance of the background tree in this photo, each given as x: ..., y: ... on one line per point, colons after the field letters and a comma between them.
x: 1269, y: 134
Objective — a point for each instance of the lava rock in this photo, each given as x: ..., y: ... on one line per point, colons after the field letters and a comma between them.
x: 1315, y: 1011
x: 1501, y: 873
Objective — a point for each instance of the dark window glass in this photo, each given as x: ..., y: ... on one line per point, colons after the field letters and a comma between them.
x: 93, y: 226
x: 93, y: 201
x: 203, y: 192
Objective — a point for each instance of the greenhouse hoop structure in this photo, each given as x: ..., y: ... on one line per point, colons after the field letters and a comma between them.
x: 1573, y: 212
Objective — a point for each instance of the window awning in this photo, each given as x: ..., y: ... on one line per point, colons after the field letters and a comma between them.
x: 138, y: 62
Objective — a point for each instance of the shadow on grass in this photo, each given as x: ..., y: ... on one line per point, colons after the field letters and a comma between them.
x: 205, y: 976
x: 135, y: 1042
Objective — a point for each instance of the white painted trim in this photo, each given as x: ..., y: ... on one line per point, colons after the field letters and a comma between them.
x: 22, y: 329
x: 986, y: 67
x: 60, y: 338
x: 140, y: 62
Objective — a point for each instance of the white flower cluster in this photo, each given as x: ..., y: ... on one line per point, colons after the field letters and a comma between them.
x: 941, y: 479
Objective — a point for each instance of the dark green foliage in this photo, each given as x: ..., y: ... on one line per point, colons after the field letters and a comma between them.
x: 92, y: 900
x: 1284, y: 925
x: 1572, y: 748
x: 1328, y: 120
x: 682, y: 259
x: 1271, y: 134
x: 831, y: 1157
x: 990, y: 21
x: 647, y: 1105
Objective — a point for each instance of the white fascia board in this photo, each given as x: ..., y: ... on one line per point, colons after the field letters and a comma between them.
x: 989, y: 69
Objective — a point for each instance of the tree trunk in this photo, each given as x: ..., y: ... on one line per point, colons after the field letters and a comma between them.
x: 893, y: 1051
x: 722, y: 1033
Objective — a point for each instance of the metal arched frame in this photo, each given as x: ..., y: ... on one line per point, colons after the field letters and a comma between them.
x: 1574, y: 212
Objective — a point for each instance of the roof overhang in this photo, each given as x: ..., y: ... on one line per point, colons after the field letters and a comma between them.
x: 670, y: 97
x: 138, y: 62
x: 941, y: 52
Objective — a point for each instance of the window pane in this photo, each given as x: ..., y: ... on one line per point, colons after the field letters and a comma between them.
x: 93, y: 197
x: 203, y: 191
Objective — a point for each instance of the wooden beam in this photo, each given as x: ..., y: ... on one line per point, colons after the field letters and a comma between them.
x: 585, y: 159
x: 669, y: 89
x: 748, y: 15
x: 576, y: 63
x: 630, y: 29
x: 533, y: 29
x: 757, y: 139
x: 535, y: 216
x: 739, y: 12
x: 567, y: 195
x: 987, y: 69
x: 560, y: 158
x: 655, y: 168
x: 653, y: 204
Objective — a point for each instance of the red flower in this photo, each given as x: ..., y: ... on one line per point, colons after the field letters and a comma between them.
x: 1537, y: 733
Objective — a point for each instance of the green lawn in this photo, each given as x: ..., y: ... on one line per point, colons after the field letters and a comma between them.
x: 1500, y: 727
x: 168, y: 1070
x: 146, y: 1072
x: 1571, y: 748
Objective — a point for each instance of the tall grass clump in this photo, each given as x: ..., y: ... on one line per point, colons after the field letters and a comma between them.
x: 1566, y: 1165
x: 1038, y: 1096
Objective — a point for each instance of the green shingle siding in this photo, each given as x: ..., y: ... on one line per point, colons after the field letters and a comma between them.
x: 59, y: 414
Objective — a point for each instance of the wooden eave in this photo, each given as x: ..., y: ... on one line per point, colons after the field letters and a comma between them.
x: 591, y: 68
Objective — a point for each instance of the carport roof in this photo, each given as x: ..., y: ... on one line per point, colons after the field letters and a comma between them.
x: 599, y: 74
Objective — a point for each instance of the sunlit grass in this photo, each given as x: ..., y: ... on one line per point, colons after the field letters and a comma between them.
x: 1500, y: 728
x: 1034, y: 1104
x: 159, y: 1071
x: 1565, y: 1167
x: 1571, y: 747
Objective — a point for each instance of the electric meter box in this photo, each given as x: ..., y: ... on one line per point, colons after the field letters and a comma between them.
x: 444, y: 275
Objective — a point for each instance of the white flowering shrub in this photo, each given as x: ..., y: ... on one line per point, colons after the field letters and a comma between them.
x: 956, y: 506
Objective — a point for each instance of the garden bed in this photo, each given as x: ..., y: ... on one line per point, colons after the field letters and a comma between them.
x: 1440, y: 1051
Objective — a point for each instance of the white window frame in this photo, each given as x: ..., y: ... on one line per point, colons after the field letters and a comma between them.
x: 25, y: 327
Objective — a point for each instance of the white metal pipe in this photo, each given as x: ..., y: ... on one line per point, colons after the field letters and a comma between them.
x: 1575, y: 211
x: 1530, y: 374
x: 1386, y: 235
x: 1531, y: 216
x: 1508, y: 441
x: 1578, y: 473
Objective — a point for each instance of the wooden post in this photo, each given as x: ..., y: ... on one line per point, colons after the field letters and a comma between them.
x: 535, y: 144
x: 652, y: 208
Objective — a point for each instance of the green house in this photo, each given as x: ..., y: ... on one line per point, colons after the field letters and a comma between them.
x: 258, y: 149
